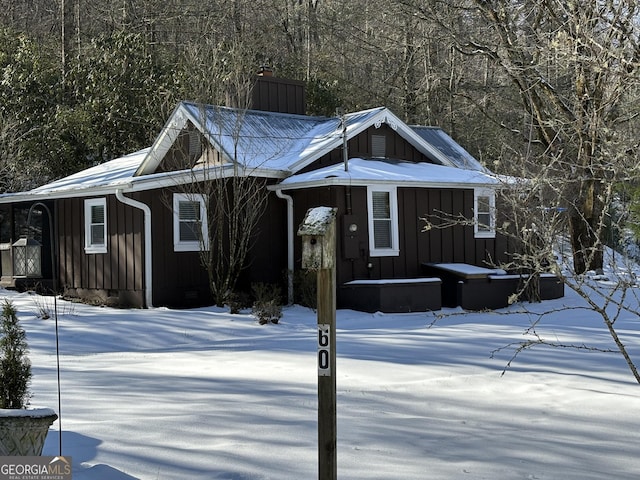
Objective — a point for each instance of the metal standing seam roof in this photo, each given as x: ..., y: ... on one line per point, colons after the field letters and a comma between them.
x: 449, y: 147
x: 258, y: 139
x: 113, y: 173
x: 274, y: 141
x: 264, y: 141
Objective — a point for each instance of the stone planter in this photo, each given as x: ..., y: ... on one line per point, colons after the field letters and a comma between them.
x: 23, y: 431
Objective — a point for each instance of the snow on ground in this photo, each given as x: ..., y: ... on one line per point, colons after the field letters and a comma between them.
x: 201, y: 394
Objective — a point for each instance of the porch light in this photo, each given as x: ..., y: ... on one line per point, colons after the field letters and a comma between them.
x: 27, y: 255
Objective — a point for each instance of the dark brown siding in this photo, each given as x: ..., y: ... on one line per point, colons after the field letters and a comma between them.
x: 115, y: 276
x: 441, y: 243
x: 396, y: 146
x: 179, y: 279
x: 360, y: 147
x: 267, y: 260
x: 275, y: 94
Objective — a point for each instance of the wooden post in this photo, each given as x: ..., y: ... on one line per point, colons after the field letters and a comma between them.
x: 318, y: 254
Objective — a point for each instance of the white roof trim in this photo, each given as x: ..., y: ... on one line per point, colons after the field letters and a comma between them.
x: 137, y: 184
x: 367, y: 182
x: 183, y: 177
x: 176, y: 123
x: 388, y: 117
x: 364, y: 172
x: 384, y: 115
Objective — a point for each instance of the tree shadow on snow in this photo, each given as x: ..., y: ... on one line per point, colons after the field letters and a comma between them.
x: 84, y: 450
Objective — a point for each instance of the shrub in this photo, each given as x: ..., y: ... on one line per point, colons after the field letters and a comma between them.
x: 267, y: 305
x: 238, y: 301
x: 15, y: 368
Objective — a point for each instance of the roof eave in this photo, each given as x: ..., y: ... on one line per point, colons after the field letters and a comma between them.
x: 59, y: 194
x: 184, y: 177
x: 142, y: 183
x: 336, y: 181
x: 164, y: 141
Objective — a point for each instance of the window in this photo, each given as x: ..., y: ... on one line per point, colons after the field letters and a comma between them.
x: 383, y: 221
x: 190, y: 232
x: 484, y: 209
x: 195, y: 145
x: 95, y: 225
x: 378, y: 146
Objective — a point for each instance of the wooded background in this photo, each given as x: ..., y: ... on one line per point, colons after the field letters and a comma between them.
x: 530, y: 87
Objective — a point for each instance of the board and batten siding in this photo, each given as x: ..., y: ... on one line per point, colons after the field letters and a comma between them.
x: 360, y: 146
x: 115, y: 276
x: 453, y: 243
x: 179, y: 279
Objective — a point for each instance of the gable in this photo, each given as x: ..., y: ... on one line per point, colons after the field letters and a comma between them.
x: 361, y: 128
x: 279, y: 142
x: 374, y: 142
x: 250, y: 138
x: 190, y: 149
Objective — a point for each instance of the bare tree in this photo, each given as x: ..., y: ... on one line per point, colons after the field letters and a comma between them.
x: 236, y: 203
x: 529, y: 217
x: 574, y: 65
x: 236, y: 194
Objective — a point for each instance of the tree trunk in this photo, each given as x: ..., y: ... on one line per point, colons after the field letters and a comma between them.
x: 585, y: 226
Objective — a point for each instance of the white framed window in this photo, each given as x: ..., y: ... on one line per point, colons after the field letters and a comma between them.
x: 484, y: 213
x: 190, y: 230
x: 95, y: 225
x: 382, y: 206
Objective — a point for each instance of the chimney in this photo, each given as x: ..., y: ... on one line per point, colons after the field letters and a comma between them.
x: 273, y: 94
x: 265, y: 71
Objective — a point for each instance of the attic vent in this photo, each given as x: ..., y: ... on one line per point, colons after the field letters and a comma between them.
x: 378, y: 146
x: 195, y: 145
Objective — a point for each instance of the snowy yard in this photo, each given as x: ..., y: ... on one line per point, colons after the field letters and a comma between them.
x: 200, y: 394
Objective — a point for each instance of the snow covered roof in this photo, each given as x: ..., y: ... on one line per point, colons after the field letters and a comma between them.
x: 103, y: 178
x: 371, y: 171
x: 112, y: 173
x: 443, y: 142
x: 273, y: 145
x: 276, y: 141
x: 116, y: 174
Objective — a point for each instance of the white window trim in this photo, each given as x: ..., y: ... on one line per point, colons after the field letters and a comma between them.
x: 88, y: 246
x: 394, y: 251
x: 484, y: 192
x: 192, y: 246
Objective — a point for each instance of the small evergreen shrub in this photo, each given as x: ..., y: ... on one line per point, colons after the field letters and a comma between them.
x: 15, y: 368
x: 267, y: 306
x: 238, y: 301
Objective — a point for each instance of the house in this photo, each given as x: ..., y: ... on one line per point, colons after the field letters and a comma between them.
x: 123, y: 230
